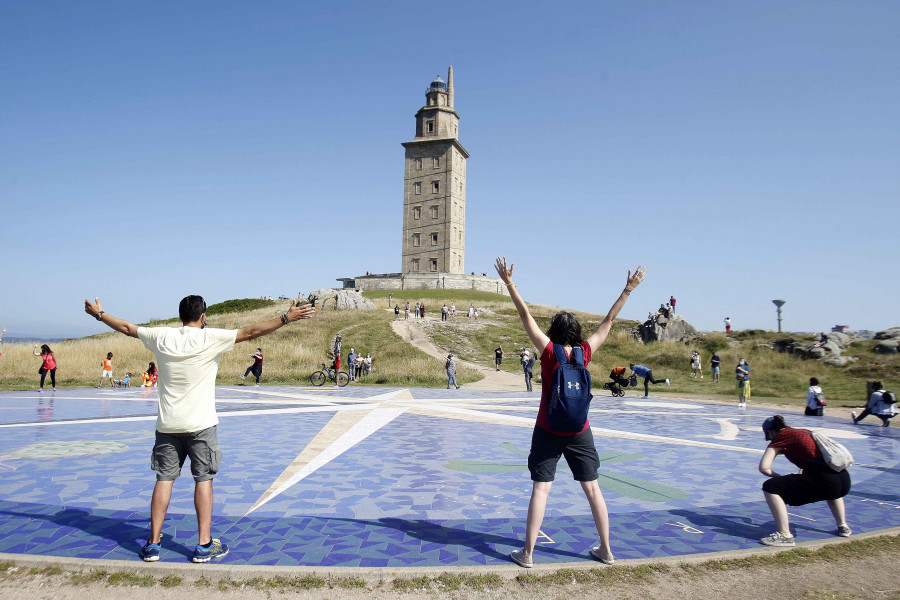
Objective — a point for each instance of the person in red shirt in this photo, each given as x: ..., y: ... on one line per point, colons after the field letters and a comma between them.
x: 816, y: 482
x: 547, y: 445
x: 48, y: 365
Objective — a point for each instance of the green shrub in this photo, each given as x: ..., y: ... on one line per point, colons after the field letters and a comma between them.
x: 242, y: 305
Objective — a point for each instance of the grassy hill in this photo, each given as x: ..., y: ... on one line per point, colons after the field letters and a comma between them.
x: 293, y: 352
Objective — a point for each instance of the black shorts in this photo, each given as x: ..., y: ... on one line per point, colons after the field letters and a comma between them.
x: 813, y: 485
x: 547, y: 448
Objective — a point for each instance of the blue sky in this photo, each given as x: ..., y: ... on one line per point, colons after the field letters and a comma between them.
x: 741, y: 151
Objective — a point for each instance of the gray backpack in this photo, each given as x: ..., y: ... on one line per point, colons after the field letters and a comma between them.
x: 835, y: 455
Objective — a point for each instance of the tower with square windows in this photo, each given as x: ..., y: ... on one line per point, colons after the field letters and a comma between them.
x: 434, y: 190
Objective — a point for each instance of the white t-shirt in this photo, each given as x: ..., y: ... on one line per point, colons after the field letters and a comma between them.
x: 188, y: 360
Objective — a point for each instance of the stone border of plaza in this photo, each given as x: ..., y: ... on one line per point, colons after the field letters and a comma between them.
x: 192, y: 572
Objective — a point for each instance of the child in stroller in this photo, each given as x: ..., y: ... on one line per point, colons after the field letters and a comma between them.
x: 618, y: 381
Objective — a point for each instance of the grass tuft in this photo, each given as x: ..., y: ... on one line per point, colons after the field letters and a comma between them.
x: 125, y: 578
x: 170, y: 581
x: 89, y: 577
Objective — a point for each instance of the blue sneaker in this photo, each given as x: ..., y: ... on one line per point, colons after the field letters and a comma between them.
x: 216, y: 549
x: 150, y: 552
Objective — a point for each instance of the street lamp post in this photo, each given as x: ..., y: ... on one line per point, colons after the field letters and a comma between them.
x: 779, y: 304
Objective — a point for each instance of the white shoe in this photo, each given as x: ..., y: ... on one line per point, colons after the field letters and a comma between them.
x: 243, y: 377
x: 667, y: 382
x: 853, y: 414
x: 645, y: 396
x: 606, y: 560
x: 520, y: 558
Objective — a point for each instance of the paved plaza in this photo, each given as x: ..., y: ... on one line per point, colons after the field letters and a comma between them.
x: 387, y: 477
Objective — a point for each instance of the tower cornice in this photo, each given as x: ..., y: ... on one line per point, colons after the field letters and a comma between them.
x: 453, y: 141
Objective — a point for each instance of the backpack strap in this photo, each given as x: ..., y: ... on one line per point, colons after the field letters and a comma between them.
x: 560, y: 353
x: 578, y: 355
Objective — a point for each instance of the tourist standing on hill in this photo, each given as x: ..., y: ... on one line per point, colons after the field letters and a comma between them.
x: 695, y: 364
x: 406, y: 312
x: 471, y: 312
x: 815, y: 483
x: 452, y: 310
x: 338, y: 342
x: 186, y: 423
x: 563, y: 339
x: 647, y: 374
x: 422, y: 310
x: 351, y: 364
x: 714, y: 364
x: 367, y: 364
x: 256, y: 367
x: 417, y: 310
x: 450, y: 366
x: 742, y: 374
x: 48, y: 365
x: 815, y: 399
x: 107, y: 370
x: 445, y: 312
x: 498, y: 357
x: 727, y: 324
x: 672, y: 303
x: 359, y: 366
x: 396, y: 311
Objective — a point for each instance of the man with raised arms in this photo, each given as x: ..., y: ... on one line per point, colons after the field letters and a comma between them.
x: 188, y: 359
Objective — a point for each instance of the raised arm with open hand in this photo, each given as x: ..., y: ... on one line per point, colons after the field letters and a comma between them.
x: 631, y: 282
x: 96, y: 310
x: 537, y: 337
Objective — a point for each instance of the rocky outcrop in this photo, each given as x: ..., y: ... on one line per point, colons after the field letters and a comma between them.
x: 662, y: 328
x: 889, y: 341
x: 829, y: 350
x: 343, y: 299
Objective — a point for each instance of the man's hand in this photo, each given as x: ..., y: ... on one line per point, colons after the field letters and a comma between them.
x: 634, y: 280
x: 295, y: 313
x: 92, y: 308
x: 506, y: 273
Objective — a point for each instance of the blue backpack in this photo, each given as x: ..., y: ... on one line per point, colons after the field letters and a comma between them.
x: 570, y: 392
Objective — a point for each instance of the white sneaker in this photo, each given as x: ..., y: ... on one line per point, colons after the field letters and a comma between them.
x: 667, y: 382
x: 853, y: 414
x: 243, y: 377
x: 520, y: 558
x: 605, y: 559
x: 645, y: 396
x: 844, y: 530
x: 740, y: 405
x: 778, y: 539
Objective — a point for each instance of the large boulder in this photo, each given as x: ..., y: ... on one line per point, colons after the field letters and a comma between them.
x: 673, y: 328
x: 345, y: 299
x: 890, y: 346
x: 888, y: 334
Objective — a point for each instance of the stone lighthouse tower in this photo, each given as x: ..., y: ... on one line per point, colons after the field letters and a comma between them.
x: 434, y: 191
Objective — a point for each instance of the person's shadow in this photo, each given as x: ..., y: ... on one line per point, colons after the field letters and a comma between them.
x: 121, y: 531
x: 435, y: 533
x: 739, y: 526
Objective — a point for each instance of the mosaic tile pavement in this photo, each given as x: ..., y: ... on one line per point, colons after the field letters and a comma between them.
x: 363, y: 477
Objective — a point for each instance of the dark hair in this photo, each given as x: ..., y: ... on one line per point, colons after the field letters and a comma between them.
x: 565, y: 330
x: 190, y: 308
x: 876, y: 385
x: 45, y: 349
x: 109, y: 355
x: 772, y: 426
x: 152, y: 368
x: 813, y: 381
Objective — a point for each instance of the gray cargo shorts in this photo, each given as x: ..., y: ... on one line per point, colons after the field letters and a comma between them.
x: 171, y: 449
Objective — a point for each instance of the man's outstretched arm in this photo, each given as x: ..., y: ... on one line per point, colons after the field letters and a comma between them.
x: 295, y: 313
x: 95, y: 310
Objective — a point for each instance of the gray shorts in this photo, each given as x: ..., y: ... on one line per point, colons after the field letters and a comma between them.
x: 171, y: 449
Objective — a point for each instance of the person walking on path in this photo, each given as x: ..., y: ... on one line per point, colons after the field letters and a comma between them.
x: 450, y: 366
x: 815, y: 483
x: 647, y: 374
x: 727, y: 324
x: 444, y: 312
x: 714, y: 363
x: 48, y: 365
x: 256, y: 367
x: 188, y: 358
x: 881, y: 403
x: 547, y: 445
x: 498, y: 357
x: 107, y: 370
x: 742, y: 374
x: 528, y: 367
x: 815, y: 399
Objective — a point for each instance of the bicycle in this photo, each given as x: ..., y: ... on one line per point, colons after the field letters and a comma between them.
x: 327, y: 373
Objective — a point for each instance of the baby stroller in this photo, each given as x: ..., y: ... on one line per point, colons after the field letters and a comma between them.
x: 617, y: 383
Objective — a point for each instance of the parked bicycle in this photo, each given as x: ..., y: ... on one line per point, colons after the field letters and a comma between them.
x: 326, y: 374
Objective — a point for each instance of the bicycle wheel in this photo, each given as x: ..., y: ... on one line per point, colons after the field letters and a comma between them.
x: 343, y: 379
x: 317, y: 378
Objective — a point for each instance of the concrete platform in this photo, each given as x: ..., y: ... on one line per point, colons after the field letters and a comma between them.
x: 375, y: 477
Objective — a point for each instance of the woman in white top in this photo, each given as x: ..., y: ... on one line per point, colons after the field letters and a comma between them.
x: 815, y: 399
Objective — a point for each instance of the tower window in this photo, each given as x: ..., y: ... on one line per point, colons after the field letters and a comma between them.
x: 433, y: 264
x: 434, y: 239
x: 417, y: 187
x: 417, y: 239
x: 436, y: 162
x: 435, y: 187
x: 415, y: 264
x: 429, y: 126
x: 434, y: 212
x: 417, y: 212
x: 418, y: 164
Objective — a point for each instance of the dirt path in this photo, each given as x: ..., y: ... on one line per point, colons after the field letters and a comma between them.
x: 413, y: 332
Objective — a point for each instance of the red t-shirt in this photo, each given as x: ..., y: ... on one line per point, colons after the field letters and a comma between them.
x: 549, y: 365
x: 797, y: 445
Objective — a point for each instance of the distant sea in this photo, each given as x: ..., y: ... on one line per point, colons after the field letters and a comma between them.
x: 32, y: 339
